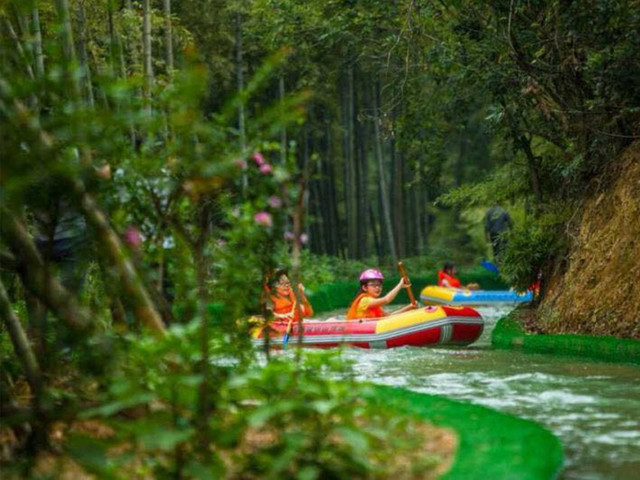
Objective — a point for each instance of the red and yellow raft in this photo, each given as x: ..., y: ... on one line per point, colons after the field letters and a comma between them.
x: 425, y: 326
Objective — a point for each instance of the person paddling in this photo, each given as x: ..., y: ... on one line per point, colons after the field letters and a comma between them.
x: 283, y: 299
x: 447, y: 278
x: 368, y: 303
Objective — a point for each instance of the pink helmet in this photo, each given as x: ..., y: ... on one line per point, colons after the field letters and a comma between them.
x: 371, y: 274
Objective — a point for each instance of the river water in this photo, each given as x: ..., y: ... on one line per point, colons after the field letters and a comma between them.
x: 593, y: 407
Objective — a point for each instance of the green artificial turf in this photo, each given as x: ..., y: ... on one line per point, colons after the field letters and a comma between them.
x: 509, y: 334
x: 492, y: 445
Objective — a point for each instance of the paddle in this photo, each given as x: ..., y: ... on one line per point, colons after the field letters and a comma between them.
x: 490, y: 266
x: 403, y: 274
x: 287, y: 332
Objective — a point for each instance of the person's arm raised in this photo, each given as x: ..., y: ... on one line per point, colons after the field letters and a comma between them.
x: 388, y: 298
x: 307, y: 308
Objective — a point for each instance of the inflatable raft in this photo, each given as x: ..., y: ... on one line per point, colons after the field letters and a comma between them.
x: 425, y: 326
x: 458, y: 296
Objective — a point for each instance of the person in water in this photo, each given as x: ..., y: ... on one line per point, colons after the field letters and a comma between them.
x: 497, y: 223
x: 284, y: 300
x: 447, y: 278
x: 368, y: 303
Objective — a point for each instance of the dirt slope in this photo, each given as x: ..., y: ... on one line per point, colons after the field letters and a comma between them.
x: 599, y: 293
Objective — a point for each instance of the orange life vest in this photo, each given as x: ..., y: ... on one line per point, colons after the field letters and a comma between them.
x: 285, y: 307
x: 535, y: 287
x: 453, y: 281
x: 371, y: 312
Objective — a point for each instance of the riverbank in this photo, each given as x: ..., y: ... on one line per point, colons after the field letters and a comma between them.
x: 509, y: 333
x: 594, y: 289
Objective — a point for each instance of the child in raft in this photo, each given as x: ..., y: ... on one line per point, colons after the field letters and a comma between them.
x: 447, y: 278
x: 283, y: 299
x: 368, y: 303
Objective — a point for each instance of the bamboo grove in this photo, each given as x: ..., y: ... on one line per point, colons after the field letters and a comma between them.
x: 204, y: 142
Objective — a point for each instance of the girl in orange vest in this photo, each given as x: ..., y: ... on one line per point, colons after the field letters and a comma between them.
x: 283, y: 299
x: 368, y: 303
x: 447, y: 278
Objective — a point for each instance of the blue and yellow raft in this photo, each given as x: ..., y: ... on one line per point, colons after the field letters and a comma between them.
x: 461, y: 296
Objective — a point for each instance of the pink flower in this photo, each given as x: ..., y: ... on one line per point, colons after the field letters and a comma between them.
x: 263, y: 218
x: 266, y: 169
x: 304, y: 238
x: 132, y: 237
x: 288, y: 235
x: 240, y: 163
x: 274, y: 201
x: 258, y: 158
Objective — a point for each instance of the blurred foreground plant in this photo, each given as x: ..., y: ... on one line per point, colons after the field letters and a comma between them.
x: 279, y: 420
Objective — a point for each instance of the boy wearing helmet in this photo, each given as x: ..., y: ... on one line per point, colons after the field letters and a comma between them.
x: 368, y: 303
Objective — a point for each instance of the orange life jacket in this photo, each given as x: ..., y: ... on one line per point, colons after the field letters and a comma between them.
x: 371, y: 312
x: 285, y: 307
x: 535, y: 287
x: 453, y: 281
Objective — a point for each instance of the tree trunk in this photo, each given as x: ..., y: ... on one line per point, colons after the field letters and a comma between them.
x: 20, y: 342
x: 168, y: 38
x: 240, y: 79
x: 283, y: 130
x: 38, y: 431
x: 146, y: 52
x: 239, y: 89
x: 426, y: 215
x: 113, y: 42
x: 532, y: 163
x: 398, y: 198
x: 374, y: 231
x: 21, y: 53
x: 37, y: 43
x: 350, y: 185
x: 382, y: 184
x: 362, y: 175
x: 332, y: 197
x: 66, y: 32
x: 84, y: 61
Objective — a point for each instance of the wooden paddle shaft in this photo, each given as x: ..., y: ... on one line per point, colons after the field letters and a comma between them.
x: 403, y: 273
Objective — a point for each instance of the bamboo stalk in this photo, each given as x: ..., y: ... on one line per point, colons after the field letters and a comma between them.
x: 20, y: 341
x: 37, y: 43
x: 168, y: 39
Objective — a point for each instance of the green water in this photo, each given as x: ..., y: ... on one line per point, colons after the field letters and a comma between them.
x: 593, y: 407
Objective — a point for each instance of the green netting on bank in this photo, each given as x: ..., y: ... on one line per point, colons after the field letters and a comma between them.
x: 509, y: 334
x: 334, y: 296
x: 492, y: 445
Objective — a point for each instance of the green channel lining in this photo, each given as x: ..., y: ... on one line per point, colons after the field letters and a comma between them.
x: 509, y: 334
x: 491, y: 445
x: 339, y: 295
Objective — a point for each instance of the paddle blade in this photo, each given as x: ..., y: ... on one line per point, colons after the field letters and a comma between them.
x: 490, y: 266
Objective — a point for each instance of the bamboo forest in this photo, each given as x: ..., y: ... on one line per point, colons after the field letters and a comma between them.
x: 319, y: 239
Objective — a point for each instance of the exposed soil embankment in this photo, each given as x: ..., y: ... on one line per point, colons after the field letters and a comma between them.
x: 599, y: 292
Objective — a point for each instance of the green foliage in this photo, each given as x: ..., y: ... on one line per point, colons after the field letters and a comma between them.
x: 277, y: 420
x: 530, y: 246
